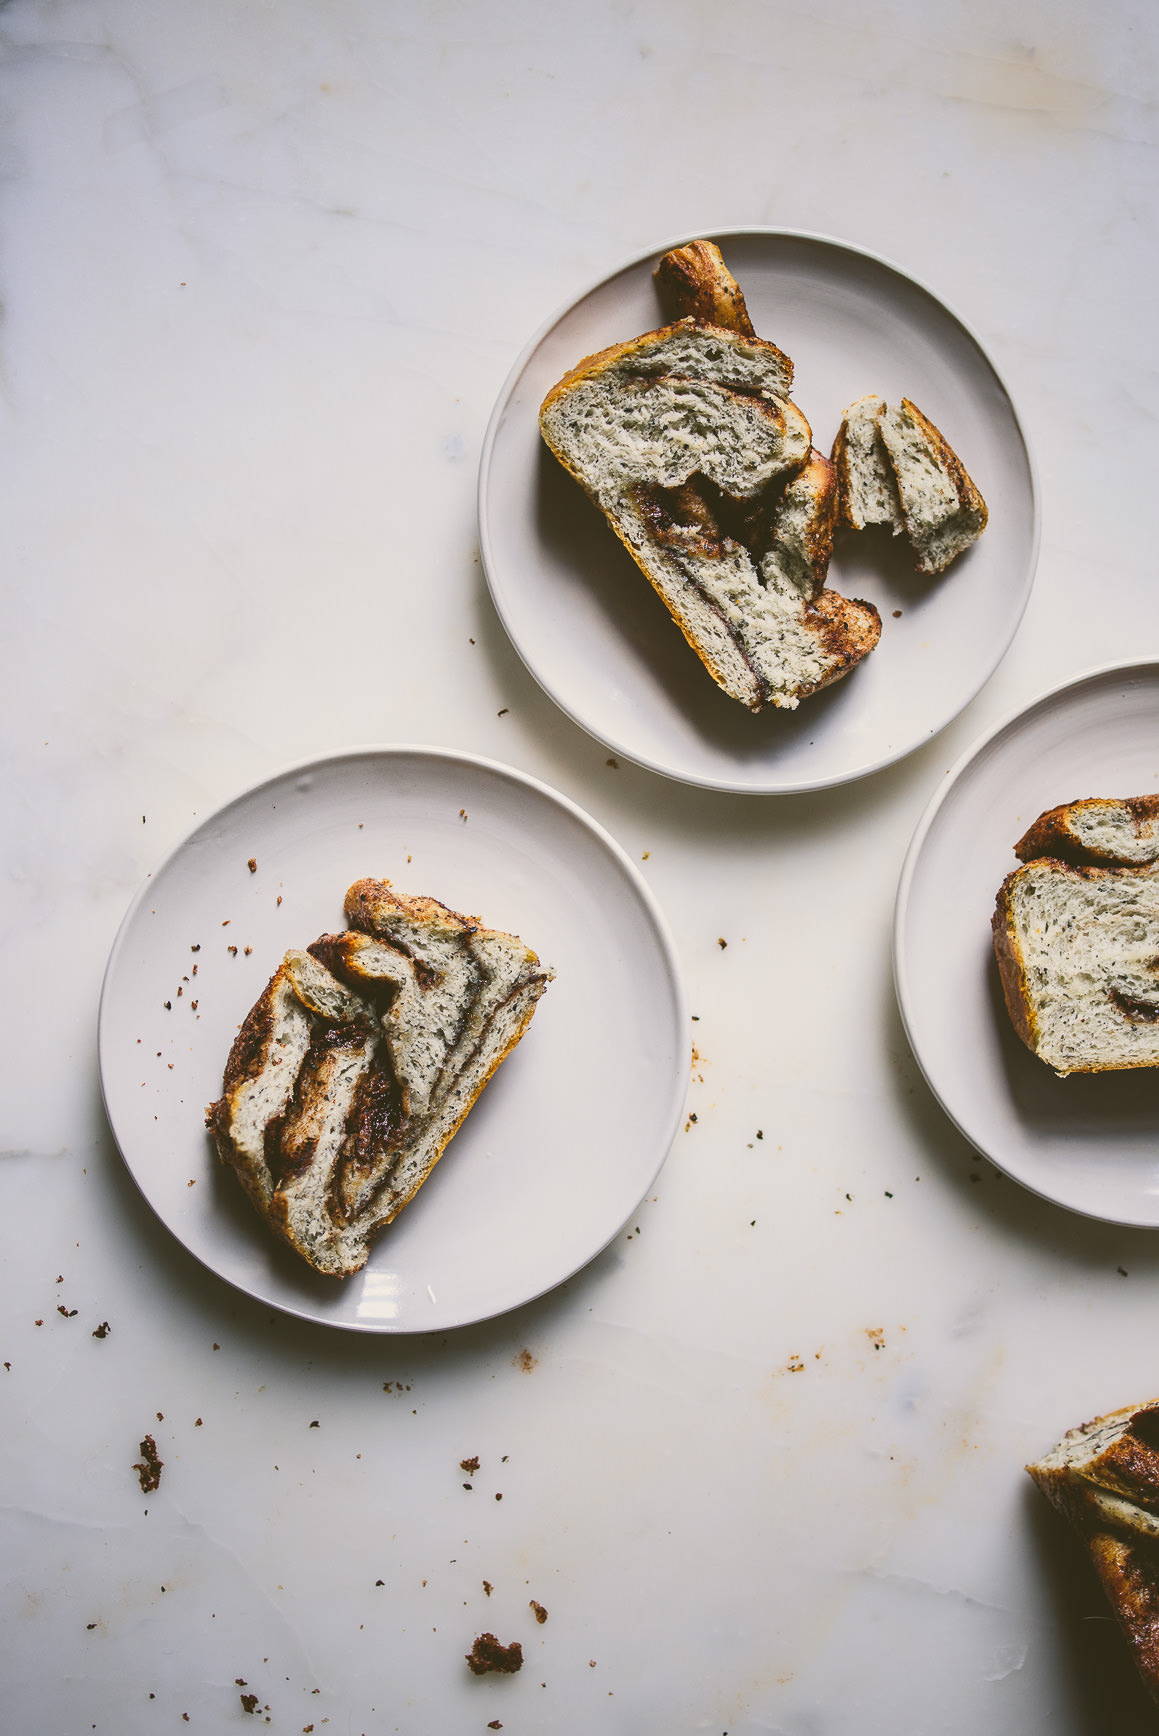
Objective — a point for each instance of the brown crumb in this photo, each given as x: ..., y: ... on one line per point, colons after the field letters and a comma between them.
x: 897, y: 614
x: 197, y: 1424
x: 67, y: 1312
x: 722, y: 943
x: 494, y: 1724
x: 249, y: 1702
x: 252, y: 864
x: 523, y: 1359
x: 279, y: 898
x: 503, y: 713
x: 470, y: 1465
x: 247, y: 950
x: 487, y: 1587
x: 232, y: 950
x: 614, y: 763
x: 150, y: 1466
x: 876, y: 1336
x: 196, y: 948
x: 539, y: 1612
x: 487, y: 1657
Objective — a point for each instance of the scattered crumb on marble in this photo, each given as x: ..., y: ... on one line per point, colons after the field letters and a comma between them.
x: 149, y: 1466
x: 488, y: 1657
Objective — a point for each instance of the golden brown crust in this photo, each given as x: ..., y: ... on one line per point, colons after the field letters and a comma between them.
x: 849, y: 629
x: 1128, y: 1571
x: 1012, y: 964
x: 370, y: 904
x: 695, y: 282
x: 820, y: 476
x: 1051, y: 833
x: 839, y: 458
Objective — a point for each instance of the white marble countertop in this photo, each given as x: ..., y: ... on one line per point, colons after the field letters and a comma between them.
x: 265, y: 269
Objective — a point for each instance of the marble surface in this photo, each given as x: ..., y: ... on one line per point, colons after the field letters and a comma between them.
x: 265, y: 269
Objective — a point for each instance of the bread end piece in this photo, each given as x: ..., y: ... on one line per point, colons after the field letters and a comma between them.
x: 1111, y: 832
x: 1012, y: 965
x: 1103, y: 1478
x: 866, y: 487
x: 944, y: 511
x: 694, y: 281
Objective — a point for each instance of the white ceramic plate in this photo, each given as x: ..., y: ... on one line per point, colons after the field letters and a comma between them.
x: 567, y: 1137
x: 1091, y: 1141
x: 603, y: 646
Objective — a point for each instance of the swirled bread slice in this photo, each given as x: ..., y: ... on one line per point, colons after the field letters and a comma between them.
x: 1104, y: 1479
x: 1077, y: 941
x: 356, y: 1067
x: 1099, y: 830
x: 687, y: 440
x: 895, y: 468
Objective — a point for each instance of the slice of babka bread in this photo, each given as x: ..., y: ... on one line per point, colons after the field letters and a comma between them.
x: 1076, y: 935
x: 358, y: 1064
x: 1104, y: 1479
x: 687, y: 440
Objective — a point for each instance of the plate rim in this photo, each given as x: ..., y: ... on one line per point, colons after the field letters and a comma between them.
x: 556, y: 798
x: 772, y: 232
x: 901, y: 964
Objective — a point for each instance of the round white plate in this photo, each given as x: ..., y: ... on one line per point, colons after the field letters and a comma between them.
x: 601, y: 643
x: 1091, y: 1141
x: 568, y: 1136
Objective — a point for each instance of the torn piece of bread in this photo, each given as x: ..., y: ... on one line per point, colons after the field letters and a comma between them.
x: 1077, y: 943
x: 695, y: 282
x: 1104, y: 1479
x: 866, y: 486
x: 895, y: 468
x: 356, y: 1067
x: 1099, y: 830
x: 687, y: 440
